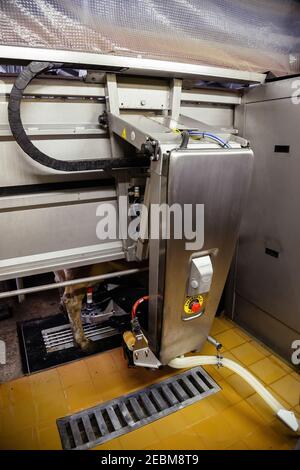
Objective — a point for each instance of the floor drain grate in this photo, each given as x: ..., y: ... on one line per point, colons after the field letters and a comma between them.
x: 61, y: 337
x: 101, y: 423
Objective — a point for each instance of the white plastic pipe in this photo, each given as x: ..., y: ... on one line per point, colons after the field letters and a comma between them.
x: 288, y: 417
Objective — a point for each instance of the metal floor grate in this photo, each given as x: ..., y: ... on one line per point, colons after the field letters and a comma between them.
x: 103, y: 422
x: 61, y: 337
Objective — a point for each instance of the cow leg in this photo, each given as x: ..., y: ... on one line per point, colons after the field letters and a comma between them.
x: 73, y: 304
x: 59, y: 276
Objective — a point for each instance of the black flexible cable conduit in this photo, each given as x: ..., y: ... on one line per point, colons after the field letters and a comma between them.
x: 18, y: 131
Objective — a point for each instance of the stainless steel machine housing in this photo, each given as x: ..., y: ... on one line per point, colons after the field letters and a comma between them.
x: 48, y: 217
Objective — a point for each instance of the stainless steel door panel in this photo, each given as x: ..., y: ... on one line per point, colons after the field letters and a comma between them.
x: 218, y: 179
x: 271, y: 224
x: 278, y: 336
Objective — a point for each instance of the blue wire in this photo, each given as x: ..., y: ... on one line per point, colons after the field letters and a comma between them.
x: 212, y: 136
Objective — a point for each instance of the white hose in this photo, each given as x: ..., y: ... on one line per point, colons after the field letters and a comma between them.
x: 286, y: 416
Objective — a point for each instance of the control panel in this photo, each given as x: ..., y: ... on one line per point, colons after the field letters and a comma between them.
x: 199, y: 283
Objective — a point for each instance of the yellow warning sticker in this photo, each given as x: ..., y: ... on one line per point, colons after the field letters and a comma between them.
x: 124, y: 133
x: 193, y: 304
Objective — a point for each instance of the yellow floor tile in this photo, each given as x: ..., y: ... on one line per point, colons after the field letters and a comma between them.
x: 7, y: 424
x: 239, y: 445
x: 266, y: 438
x: 195, y: 413
x: 139, y: 439
x: 117, y: 355
x: 288, y: 388
x: 282, y: 364
x: 242, y: 388
x: 218, y: 405
x: 287, y: 446
x: 82, y: 395
x: 283, y: 431
x: 267, y: 370
x: 281, y: 400
x: 223, y: 399
x: 213, y: 371
x: 216, y: 433
x: 5, y: 391
x: 219, y: 325
x: 73, y: 373
x: 20, y: 391
x: 296, y: 375
x: 45, y: 376
x: 113, y: 385
x: 20, y: 440
x: 23, y: 415
x: 157, y: 375
x: 247, y: 354
x: 169, y: 425
x: 234, y: 418
x: 51, y: 407
x: 48, y: 437
x: 45, y: 383
x: 101, y: 364
x: 187, y: 439
x: 208, y: 349
x: 232, y: 396
x: 263, y: 349
x: 247, y: 337
x: 134, y: 379
x: 288, y: 439
x: 230, y: 339
x: 261, y: 407
x: 2, y: 397
x: 114, y: 444
x: 243, y: 419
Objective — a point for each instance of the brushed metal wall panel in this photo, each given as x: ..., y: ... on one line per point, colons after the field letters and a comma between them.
x: 267, y: 274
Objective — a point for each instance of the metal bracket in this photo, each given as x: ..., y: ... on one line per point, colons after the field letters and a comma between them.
x: 152, y: 148
x: 103, y: 120
x: 142, y: 354
x: 219, y: 358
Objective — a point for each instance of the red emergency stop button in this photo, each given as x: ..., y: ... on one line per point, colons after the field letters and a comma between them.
x: 195, y: 307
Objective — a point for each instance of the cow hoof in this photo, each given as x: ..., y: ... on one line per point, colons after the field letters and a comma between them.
x: 88, y: 346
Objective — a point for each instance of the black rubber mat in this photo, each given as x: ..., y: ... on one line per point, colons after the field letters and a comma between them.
x: 33, y: 351
x: 113, y: 418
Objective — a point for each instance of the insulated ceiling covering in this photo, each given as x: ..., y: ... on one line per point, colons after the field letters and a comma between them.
x: 253, y: 35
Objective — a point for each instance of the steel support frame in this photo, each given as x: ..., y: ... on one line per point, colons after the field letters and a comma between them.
x: 122, y: 178
x: 128, y: 65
